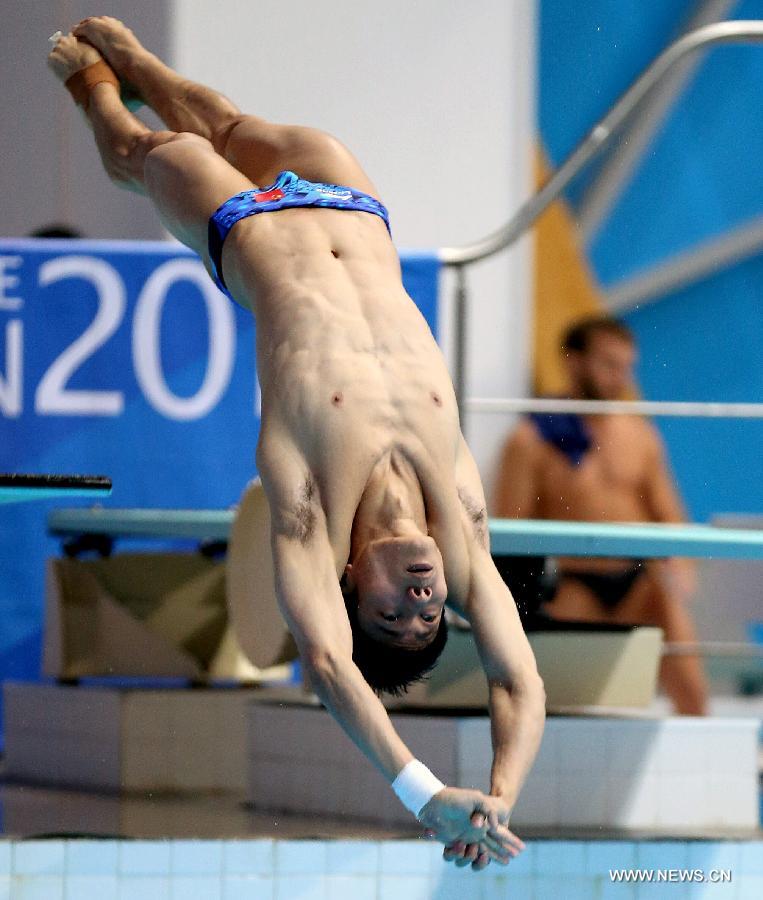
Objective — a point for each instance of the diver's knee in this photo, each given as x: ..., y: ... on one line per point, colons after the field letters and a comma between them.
x: 167, y: 155
x: 223, y: 135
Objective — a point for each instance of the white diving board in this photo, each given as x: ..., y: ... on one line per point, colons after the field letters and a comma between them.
x: 517, y: 537
x: 531, y: 537
x: 196, y: 524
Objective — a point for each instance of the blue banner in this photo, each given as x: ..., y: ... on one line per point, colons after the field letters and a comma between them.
x: 123, y: 359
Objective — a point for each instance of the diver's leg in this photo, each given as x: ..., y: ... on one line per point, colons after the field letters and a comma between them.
x: 123, y: 141
x: 182, y: 104
x: 257, y: 148
x: 181, y: 173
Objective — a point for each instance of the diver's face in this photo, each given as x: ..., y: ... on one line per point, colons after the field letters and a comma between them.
x: 604, y: 371
x: 401, y: 590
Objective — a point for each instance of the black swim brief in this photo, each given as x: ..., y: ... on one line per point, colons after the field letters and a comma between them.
x: 609, y: 587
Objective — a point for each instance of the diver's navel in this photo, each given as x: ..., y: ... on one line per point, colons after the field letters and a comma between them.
x: 337, y: 398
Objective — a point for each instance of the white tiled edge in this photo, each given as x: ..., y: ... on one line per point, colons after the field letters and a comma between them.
x: 220, y: 862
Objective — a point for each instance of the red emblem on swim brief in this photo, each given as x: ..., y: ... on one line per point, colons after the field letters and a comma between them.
x: 264, y: 196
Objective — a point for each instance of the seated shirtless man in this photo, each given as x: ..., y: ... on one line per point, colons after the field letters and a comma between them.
x: 605, y: 469
x: 367, y: 475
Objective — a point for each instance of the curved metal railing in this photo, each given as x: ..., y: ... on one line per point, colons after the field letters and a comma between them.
x: 680, y: 408
x: 732, y: 32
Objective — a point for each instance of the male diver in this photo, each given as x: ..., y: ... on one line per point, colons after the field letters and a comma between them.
x: 367, y: 476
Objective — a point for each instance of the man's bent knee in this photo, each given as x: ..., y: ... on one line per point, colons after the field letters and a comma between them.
x: 124, y: 161
x: 166, y: 158
x: 221, y: 136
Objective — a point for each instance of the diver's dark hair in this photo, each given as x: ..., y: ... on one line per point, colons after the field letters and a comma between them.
x: 578, y: 336
x: 389, y: 669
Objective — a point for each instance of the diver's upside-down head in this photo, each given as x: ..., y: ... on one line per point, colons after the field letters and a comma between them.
x: 395, y: 595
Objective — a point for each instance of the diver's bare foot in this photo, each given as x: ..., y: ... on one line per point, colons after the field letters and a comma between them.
x: 70, y: 55
x: 118, y: 45
x: 181, y: 104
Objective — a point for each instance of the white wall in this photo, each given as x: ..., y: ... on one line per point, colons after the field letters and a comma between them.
x: 436, y: 98
x: 50, y: 169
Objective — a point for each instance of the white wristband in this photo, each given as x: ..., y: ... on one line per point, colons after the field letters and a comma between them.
x: 415, y: 786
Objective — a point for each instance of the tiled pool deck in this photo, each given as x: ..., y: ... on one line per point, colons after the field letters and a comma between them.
x: 362, y: 870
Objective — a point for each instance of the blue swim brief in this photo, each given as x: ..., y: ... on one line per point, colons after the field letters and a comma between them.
x: 287, y: 192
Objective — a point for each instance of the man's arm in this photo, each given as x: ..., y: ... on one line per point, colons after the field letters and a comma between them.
x: 516, y: 694
x: 311, y: 602
x: 660, y: 493
x: 516, y: 493
x: 677, y: 574
x: 517, y: 697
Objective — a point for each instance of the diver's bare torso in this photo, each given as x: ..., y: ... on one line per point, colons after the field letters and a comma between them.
x: 349, y: 371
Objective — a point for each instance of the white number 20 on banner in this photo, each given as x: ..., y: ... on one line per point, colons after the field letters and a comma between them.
x: 53, y: 396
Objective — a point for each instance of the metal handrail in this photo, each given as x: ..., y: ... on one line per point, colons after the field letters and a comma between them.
x: 599, y: 136
x: 679, y: 409
x: 741, y: 31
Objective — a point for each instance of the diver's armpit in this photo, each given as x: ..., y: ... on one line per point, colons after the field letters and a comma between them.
x: 477, y: 514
